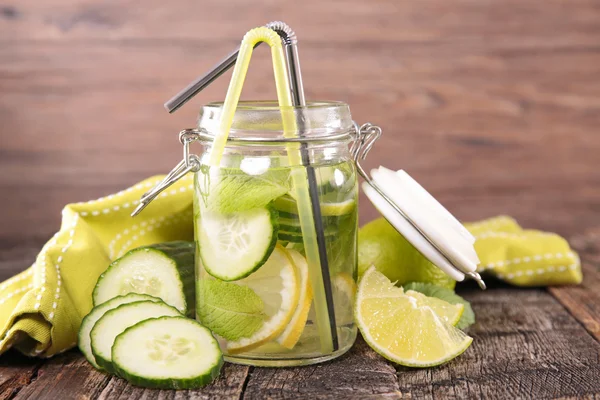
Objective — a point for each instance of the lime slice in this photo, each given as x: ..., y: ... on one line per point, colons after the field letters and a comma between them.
x: 405, y: 328
x: 287, y: 204
x: 276, y: 283
x: 294, y: 329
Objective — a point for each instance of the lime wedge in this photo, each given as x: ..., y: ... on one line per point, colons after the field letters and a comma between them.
x: 450, y: 313
x: 405, y: 327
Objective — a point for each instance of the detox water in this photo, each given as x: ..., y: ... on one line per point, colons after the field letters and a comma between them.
x: 253, y: 286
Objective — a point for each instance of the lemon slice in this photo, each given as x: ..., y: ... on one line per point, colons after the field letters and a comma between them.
x: 337, y: 209
x: 344, y: 292
x: 276, y: 283
x: 404, y: 328
x: 295, y: 327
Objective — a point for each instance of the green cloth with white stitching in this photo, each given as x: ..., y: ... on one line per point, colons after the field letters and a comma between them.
x: 42, y: 307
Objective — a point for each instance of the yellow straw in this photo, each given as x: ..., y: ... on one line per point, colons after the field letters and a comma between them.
x: 298, y: 175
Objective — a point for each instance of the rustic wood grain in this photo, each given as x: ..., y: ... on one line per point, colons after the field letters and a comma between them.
x: 16, y: 372
x: 70, y: 376
x: 228, y: 386
x: 525, y: 346
x: 361, y: 373
x: 493, y: 105
x: 67, y: 376
x: 583, y: 301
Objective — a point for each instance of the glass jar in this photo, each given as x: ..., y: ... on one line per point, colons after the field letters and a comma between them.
x: 262, y: 287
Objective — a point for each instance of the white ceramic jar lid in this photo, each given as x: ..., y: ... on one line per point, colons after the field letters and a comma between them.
x: 424, y: 222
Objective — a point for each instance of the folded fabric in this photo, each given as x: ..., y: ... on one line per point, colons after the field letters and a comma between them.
x: 41, y: 308
x: 524, y: 257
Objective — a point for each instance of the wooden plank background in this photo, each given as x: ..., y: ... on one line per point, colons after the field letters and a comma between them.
x: 494, y: 105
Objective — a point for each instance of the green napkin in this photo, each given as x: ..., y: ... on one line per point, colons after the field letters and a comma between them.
x: 41, y: 308
x: 524, y: 257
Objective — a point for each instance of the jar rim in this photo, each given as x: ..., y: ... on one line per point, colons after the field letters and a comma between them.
x: 262, y: 122
x: 273, y: 105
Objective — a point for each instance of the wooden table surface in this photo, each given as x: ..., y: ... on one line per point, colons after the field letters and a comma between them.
x: 494, y: 105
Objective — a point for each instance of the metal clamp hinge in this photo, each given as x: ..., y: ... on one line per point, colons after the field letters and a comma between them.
x: 365, y: 137
x: 190, y: 163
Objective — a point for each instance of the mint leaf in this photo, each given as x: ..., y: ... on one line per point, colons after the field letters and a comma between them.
x: 229, y: 310
x: 428, y: 289
x: 233, y: 190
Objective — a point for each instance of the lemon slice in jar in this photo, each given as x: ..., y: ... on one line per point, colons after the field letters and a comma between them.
x: 294, y: 329
x: 276, y: 283
x: 287, y: 204
x: 344, y: 292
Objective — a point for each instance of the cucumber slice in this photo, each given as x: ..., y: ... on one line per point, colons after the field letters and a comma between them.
x: 167, y: 353
x: 164, y: 270
x: 232, y: 246
x: 289, y: 225
x: 296, y: 237
x: 97, y: 312
x: 115, y: 321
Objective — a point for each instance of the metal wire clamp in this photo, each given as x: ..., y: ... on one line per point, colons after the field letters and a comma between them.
x: 189, y: 163
x: 365, y: 137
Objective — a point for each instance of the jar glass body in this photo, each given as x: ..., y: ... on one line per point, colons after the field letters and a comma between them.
x: 261, y: 291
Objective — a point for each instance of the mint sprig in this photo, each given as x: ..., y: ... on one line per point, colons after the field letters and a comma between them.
x: 232, y: 190
x: 229, y: 310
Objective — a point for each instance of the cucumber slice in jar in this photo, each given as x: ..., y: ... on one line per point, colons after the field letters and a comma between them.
x: 115, y: 321
x: 290, y: 237
x: 164, y: 270
x: 232, y: 246
x: 167, y: 353
x: 286, y: 235
x: 97, y: 312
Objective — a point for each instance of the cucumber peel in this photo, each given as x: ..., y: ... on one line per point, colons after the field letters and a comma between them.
x: 97, y: 312
x: 167, y: 353
x: 115, y: 321
x: 232, y: 246
x: 164, y: 270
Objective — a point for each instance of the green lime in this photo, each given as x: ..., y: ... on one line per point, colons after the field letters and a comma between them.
x: 379, y: 244
x: 407, y: 328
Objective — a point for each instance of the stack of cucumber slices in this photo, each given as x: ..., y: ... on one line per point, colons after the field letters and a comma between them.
x: 137, y: 328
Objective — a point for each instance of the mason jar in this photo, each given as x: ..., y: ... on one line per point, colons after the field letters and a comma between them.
x: 276, y: 234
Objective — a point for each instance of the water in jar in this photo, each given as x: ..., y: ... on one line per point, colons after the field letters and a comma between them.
x: 254, y: 286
